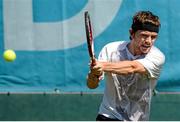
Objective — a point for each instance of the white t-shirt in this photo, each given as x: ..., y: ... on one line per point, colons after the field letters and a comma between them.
x: 127, y: 97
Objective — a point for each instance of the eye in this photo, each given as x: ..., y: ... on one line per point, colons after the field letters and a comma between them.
x: 154, y: 37
x: 143, y: 36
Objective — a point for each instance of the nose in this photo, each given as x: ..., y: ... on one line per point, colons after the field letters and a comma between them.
x: 148, y: 40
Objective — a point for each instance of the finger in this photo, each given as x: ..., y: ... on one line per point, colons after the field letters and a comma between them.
x: 97, y: 74
x: 93, y: 76
x: 100, y: 78
x: 97, y: 71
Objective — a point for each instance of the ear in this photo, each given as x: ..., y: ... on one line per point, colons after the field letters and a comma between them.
x: 131, y: 32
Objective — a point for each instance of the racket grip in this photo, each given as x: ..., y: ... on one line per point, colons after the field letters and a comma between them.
x: 92, y: 84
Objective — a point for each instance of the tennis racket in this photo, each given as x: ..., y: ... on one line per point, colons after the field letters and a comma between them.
x: 89, y: 36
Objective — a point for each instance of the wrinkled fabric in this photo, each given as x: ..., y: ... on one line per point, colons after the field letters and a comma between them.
x: 128, y: 97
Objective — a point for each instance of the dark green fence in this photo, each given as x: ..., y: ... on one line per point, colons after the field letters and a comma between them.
x: 76, y: 106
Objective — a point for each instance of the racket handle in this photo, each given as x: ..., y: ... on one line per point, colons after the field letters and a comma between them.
x: 93, y: 61
x: 92, y: 84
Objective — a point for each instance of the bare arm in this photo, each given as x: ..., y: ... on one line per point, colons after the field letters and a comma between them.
x: 122, y: 67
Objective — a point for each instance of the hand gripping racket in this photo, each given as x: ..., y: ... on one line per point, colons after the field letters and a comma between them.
x: 89, y: 36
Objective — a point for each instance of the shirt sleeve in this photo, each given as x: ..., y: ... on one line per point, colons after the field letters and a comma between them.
x: 153, y: 63
x: 103, y: 55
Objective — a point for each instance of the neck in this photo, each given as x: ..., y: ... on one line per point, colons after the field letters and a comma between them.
x: 132, y: 49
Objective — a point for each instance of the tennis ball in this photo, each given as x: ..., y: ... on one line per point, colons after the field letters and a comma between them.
x: 9, y: 55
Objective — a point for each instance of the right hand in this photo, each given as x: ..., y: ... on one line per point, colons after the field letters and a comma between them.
x: 95, y: 74
x: 96, y: 68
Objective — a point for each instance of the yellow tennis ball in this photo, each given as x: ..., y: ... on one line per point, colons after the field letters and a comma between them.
x: 9, y: 55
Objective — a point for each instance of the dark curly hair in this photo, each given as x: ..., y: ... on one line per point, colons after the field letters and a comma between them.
x: 145, y: 20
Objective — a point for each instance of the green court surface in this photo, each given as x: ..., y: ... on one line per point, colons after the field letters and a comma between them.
x: 74, y: 106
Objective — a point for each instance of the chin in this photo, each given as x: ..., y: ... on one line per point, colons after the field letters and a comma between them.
x: 145, y: 51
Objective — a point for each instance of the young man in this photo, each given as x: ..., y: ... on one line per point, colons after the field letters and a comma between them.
x: 131, y: 70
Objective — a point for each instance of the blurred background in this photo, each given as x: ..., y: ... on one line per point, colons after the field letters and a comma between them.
x: 47, y: 81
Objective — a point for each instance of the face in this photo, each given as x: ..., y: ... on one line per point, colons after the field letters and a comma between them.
x: 143, y: 41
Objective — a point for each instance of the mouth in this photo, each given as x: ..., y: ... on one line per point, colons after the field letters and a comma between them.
x: 146, y: 46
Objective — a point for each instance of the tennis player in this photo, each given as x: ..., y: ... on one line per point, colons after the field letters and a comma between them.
x: 131, y: 69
